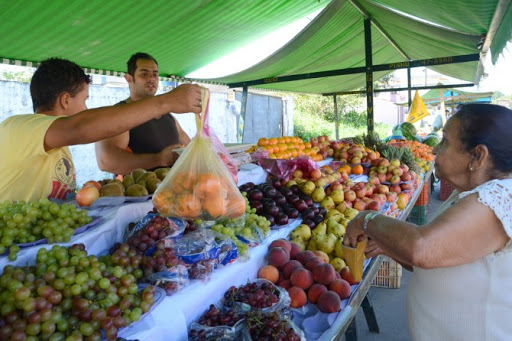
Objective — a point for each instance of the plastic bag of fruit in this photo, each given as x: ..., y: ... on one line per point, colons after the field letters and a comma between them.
x: 199, y: 185
x: 217, y: 323
x: 171, y: 279
x: 171, y: 227
x: 259, y: 294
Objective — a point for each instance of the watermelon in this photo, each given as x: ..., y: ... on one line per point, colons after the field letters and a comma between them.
x: 409, y: 130
x: 431, y: 140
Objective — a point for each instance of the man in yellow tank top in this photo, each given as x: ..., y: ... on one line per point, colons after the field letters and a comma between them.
x: 35, y: 159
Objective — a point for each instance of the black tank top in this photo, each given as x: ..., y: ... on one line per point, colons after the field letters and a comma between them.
x: 154, y: 135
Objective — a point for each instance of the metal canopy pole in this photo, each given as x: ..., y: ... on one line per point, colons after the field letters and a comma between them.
x: 241, y: 122
x: 336, y: 116
x: 409, y: 85
x: 369, y: 72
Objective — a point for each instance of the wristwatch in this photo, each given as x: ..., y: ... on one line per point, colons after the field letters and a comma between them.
x: 367, y: 218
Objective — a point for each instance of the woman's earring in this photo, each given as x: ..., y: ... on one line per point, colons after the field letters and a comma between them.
x: 470, y: 169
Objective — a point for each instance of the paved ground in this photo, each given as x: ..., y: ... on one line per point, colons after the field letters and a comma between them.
x: 389, y: 304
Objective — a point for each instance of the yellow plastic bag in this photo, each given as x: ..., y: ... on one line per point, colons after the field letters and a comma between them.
x: 199, y: 186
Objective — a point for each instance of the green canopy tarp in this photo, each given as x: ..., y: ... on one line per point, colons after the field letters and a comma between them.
x: 187, y: 35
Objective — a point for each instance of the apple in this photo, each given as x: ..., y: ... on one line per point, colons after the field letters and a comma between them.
x: 368, y: 189
x: 360, y: 192
x: 384, y: 162
x: 374, y: 206
x: 87, y: 195
x: 372, y: 156
x: 321, y: 139
x: 406, y: 177
x: 391, y: 196
x: 298, y: 174
x: 382, y: 177
x: 383, y: 189
x: 358, y: 154
x: 395, y: 188
x: 360, y: 205
x: 93, y: 183
x: 355, y: 160
x: 374, y: 180
x: 404, y: 167
x: 350, y: 195
x: 395, y: 179
x: 342, y: 206
x: 395, y: 162
x: 382, y: 169
x: 406, y: 186
x: 313, y: 141
x: 398, y: 171
x: 315, y: 174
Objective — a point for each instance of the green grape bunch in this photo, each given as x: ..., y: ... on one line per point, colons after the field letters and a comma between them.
x: 26, y: 222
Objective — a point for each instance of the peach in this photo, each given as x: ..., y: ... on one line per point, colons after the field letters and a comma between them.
x: 347, y: 276
x: 277, y: 256
x: 301, y: 278
x: 315, y: 291
x: 269, y: 273
x: 329, y: 302
x: 286, y: 284
x: 289, y: 267
x: 324, y: 273
x: 304, y: 256
x: 341, y: 287
x: 298, y: 297
x: 312, y: 263
x: 281, y: 242
x: 295, y: 249
x: 322, y: 255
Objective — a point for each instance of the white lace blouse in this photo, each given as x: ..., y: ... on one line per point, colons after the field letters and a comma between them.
x: 471, y: 301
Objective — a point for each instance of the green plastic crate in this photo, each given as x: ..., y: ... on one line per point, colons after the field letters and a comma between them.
x: 418, y: 215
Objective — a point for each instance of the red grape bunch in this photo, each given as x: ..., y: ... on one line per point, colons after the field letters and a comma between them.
x: 214, y: 317
x: 156, y: 229
x: 270, y: 327
x: 256, y: 294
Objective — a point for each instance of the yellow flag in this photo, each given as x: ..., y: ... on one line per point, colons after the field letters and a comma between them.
x: 418, y: 109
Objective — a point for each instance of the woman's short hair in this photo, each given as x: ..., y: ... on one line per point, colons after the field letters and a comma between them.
x: 53, y: 77
x: 489, y: 125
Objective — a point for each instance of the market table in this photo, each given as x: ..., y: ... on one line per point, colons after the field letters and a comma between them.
x: 172, y: 316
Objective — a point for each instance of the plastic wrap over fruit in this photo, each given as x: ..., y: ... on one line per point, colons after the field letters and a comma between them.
x: 205, y: 244
x: 217, y: 323
x: 175, y: 226
x: 172, y: 279
x: 199, y: 185
x: 259, y: 325
x: 259, y: 294
x: 283, y: 169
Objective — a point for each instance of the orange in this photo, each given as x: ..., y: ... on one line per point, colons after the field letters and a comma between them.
x: 263, y: 142
x: 208, y: 184
x: 184, y: 181
x: 357, y: 170
x: 187, y: 205
x: 272, y: 156
x: 287, y: 139
x: 272, y: 141
x: 215, y: 206
x: 236, y: 206
x: 345, y: 168
x: 308, y: 144
x: 282, y: 147
x: 280, y: 140
x: 294, y: 152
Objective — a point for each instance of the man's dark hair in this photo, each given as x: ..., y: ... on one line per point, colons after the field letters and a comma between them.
x: 489, y: 125
x: 132, y: 62
x: 53, y: 77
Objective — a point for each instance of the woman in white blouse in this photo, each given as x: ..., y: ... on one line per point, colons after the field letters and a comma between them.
x: 461, y: 287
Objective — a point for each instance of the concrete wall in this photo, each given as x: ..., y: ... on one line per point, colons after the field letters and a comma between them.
x: 15, y: 99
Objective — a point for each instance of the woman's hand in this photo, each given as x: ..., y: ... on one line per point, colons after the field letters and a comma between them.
x: 372, y: 249
x: 355, y: 232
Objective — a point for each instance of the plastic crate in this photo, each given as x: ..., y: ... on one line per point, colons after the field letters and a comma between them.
x: 389, y: 274
x: 418, y: 215
x: 446, y: 190
x: 423, y: 197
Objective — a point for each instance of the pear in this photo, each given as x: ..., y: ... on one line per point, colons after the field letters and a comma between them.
x: 335, y: 228
x: 338, y: 249
x: 320, y: 229
x: 312, y: 245
x: 307, y: 187
x: 338, y: 264
x: 350, y: 213
x: 318, y: 194
x: 327, y: 203
x: 327, y: 243
x: 302, y: 231
x: 337, y: 196
x: 298, y: 240
x: 332, y: 213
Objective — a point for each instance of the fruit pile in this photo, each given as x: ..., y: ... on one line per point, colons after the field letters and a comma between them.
x: 70, y: 295
x: 270, y: 326
x: 277, y: 203
x: 307, y: 276
x: 353, y: 153
x: 27, y: 222
x: 257, y: 295
x: 136, y: 184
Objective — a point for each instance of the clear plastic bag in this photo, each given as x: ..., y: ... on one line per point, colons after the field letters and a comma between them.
x: 248, y: 297
x: 171, y: 279
x: 199, y: 185
x: 217, y: 323
x: 269, y: 326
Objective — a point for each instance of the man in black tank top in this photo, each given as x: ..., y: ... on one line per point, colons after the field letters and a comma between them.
x: 149, y: 145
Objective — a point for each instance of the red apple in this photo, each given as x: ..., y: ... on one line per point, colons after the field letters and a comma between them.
x: 373, y: 205
x: 87, y: 195
x: 350, y: 195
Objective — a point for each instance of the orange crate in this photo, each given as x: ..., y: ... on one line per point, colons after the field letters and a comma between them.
x: 446, y: 190
x: 423, y: 198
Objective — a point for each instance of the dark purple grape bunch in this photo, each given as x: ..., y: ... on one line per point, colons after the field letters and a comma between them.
x: 270, y: 327
x: 156, y: 229
x: 257, y: 295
